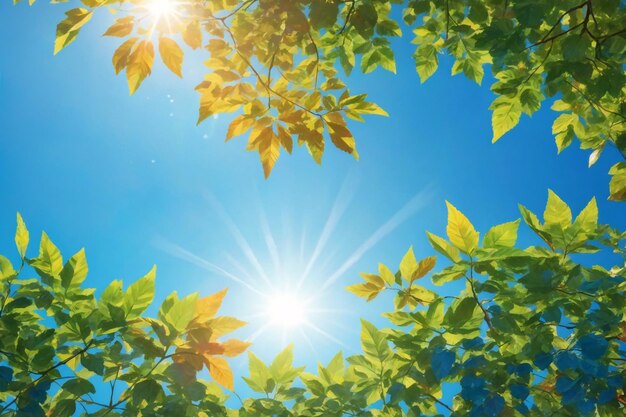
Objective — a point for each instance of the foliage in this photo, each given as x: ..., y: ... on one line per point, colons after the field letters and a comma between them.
x: 533, y: 333
x: 274, y: 62
x: 59, y: 344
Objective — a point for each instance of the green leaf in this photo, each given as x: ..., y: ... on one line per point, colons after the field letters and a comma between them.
x: 178, y: 313
x: 21, y: 236
x: 79, y: 387
x: 63, y: 408
x: 426, y: 61
x: 587, y: 219
x: 575, y: 47
x: 140, y: 295
x: 557, y: 212
x: 259, y: 379
x: 452, y: 273
x: 373, y: 341
x: 281, y: 370
x: 504, y: 234
x: 506, y: 115
x: 75, y: 270
x: 617, y: 186
x: 49, y: 261
x: 444, y: 247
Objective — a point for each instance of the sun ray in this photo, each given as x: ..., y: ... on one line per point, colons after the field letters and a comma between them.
x: 343, y: 199
x: 258, y: 333
x: 269, y: 240
x: 238, y: 236
x: 409, y: 209
x: 328, y: 336
x: 308, y: 341
x: 181, y: 253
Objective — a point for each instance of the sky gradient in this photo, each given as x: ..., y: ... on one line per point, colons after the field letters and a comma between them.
x: 137, y: 183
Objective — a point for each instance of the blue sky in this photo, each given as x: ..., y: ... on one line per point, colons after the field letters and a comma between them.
x: 134, y: 181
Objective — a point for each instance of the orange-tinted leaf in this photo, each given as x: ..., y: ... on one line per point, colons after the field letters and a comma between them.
x: 234, y: 347
x: 207, y: 307
x: 220, y: 371
x: 285, y: 139
x: 423, y: 267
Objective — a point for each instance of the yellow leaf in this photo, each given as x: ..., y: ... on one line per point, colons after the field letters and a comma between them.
x: 122, y: 27
x: 192, y: 35
x: 285, y: 138
x: 139, y: 65
x: 171, y: 55
x: 341, y: 137
x: 460, y: 231
x: 68, y: 28
x: 269, y: 149
x: 315, y: 143
x: 239, y: 125
x: 367, y: 290
x: 207, y: 307
x: 408, y: 264
x: 234, y: 347
x: 225, y: 325
x: 120, y: 56
x: 220, y: 371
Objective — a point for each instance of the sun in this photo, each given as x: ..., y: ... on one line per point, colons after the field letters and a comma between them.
x: 160, y: 8
x: 286, y: 310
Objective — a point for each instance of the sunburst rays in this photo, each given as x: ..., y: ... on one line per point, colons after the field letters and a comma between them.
x: 287, y: 278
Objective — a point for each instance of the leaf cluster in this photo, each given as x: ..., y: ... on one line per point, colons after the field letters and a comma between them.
x: 531, y: 332
x: 280, y: 66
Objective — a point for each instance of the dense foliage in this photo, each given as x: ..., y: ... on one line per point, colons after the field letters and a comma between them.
x: 274, y: 62
x: 534, y: 333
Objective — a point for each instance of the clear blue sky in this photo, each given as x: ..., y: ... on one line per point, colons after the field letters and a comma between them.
x: 134, y: 181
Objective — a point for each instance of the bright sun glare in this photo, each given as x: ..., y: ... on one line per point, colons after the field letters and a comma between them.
x: 159, y: 8
x: 286, y: 310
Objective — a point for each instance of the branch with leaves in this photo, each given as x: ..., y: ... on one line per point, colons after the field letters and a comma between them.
x: 534, y: 48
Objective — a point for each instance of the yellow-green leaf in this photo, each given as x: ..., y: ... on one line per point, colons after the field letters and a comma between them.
x: 68, y: 28
x: 75, y: 270
x: 408, y: 265
x: 49, y: 260
x: 444, y: 247
x: 140, y: 294
x: 504, y: 234
x: 506, y: 115
x: 557, y: 211
x: 21, y: 236
x: 460, y: 231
